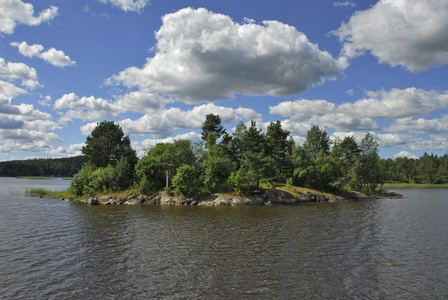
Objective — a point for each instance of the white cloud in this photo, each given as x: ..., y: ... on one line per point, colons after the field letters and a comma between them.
x: 141, y: 101
x: 194, y: 137
x: 15, y: 12
x: 128, y: 5
x: 420, y: 125
x: 66, y: 151
x: 342, y: 121
x: 85, y: 108
x: 45, y: 101
x: 397, y: 103
x: 55, y: 57
x: 323, y: 113
x: 9, y: 90
x: 21, y: 71
x: 360, y: 115
x: 201, y: 55
x: 344, y: 4
x: 28, y: 138
x: 163, y: 122
x: 407, y: 141
x: 410, y: 33
x: 434, y: 142
x: 404, y: 154
x: 303, y: 109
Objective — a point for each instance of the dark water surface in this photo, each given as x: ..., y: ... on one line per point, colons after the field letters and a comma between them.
x: 382, y: 249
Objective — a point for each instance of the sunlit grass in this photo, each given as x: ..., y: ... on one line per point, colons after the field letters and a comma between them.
x: 41, y: 192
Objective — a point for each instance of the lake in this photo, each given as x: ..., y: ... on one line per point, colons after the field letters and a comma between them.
x: 381, y: 249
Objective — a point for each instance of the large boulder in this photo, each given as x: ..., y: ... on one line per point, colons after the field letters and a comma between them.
x: 93, y: 201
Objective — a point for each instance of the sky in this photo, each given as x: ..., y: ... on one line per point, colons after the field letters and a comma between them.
x: 158, y: 67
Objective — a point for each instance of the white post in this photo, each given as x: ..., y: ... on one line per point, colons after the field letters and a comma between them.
x: 167, y: 172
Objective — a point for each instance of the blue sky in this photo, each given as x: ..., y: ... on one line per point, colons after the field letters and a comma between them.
x: 159, y: 67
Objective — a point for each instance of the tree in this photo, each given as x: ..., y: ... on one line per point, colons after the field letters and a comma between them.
x: 348, y: 153
x: 279, y: 148
x: 368, y: 168
x: 310, y: 160
x: 107, y: 145
x: 212, y: 123
x: 316, y: 140
x: 187, y: 181
x: 216, y: 165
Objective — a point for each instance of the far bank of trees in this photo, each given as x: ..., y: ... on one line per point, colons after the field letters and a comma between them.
x: 63, y: 167
x: 426, y: 169
x: 243, y: 162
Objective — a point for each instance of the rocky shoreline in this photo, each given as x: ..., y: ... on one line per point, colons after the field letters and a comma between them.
x: 266, y: 197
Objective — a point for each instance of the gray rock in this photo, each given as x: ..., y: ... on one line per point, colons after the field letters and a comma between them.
x: 93, y: 201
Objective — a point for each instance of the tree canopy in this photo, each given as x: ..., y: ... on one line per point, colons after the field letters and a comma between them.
x: 244, y: 161
x: 107, y: 145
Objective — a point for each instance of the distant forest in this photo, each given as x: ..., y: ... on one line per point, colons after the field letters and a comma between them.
x: 64, y: 167
x: 429, y: 168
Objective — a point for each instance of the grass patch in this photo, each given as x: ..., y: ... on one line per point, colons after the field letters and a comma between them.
x: 36, y: 192
x: 413, y: 185
x: 41, y: 192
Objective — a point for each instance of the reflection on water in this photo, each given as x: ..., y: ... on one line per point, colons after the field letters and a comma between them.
x: 373, y: 249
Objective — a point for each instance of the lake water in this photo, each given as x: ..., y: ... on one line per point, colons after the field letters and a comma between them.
x: 382, y: 249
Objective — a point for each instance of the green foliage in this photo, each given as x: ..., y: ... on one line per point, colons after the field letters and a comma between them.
x: 249, y: 158
x: 106, y: 145
x: 279, y: 148
x: 212, y: 124
x: 150, y: 174
x: 150, y: 170
x: 91, y: 180
x: 63, y: 167
x: 187, y: 181
x: 236, y: 182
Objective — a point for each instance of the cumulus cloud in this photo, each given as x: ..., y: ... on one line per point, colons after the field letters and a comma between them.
x: 22, y: 127
x: 322, y: 113
x: 410, y: 33
x: 303, y: 109
x: 194, y: 137
x: 397, y: 103
x: 55, y: 57
x: 14, y: 12
x: 162, y: 123
x: 420, y: 125
x: 404, y: 154
x: 128, y: 5
x: 31, y: 136
x: 201, y: 55
x: 66, y: 151
x: 13, y: 71
x: 85, y: 108
x: 142, y: 101
x: 360, y: 115
x: 9, y: 90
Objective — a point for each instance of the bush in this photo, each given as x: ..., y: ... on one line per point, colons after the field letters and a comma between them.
x: 150, y: 174
x: 91, y: 180
x: 187, y: 181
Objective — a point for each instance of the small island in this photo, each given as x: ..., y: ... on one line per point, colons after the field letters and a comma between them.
x: 247, y: 167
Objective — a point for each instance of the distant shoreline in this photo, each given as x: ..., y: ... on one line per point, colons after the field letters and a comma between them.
x: 388, y: 186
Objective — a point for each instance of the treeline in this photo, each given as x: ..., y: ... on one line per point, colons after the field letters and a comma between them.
x: 65, y: 167
x: 243, y: 162
x: 426, y: 169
